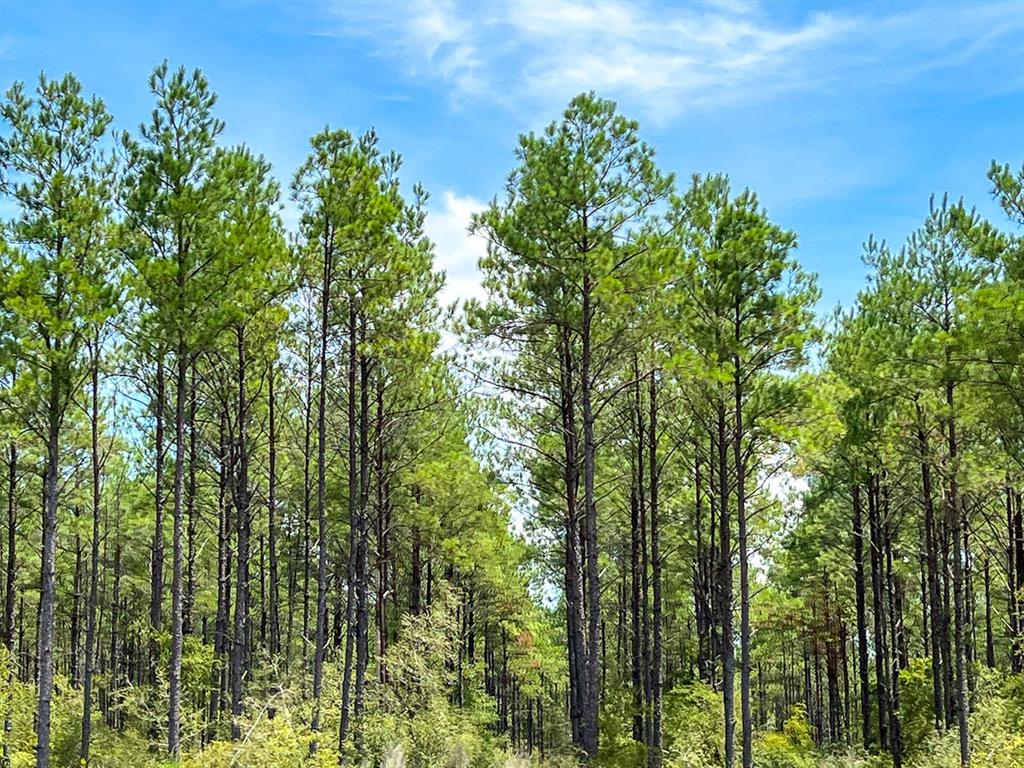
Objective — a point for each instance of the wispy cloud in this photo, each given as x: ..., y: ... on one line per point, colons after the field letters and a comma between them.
x: 670, y: 59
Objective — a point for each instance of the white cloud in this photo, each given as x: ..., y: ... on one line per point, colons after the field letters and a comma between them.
x: 456, y: 251
x: 669, y: 59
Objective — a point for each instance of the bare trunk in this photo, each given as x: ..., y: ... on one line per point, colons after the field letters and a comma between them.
x: 725, y: 594
x: 187, y: 623
x: 94, y: 563
x: 361, y: 562
x: 741, y: 522
x: 275, y: 625
x: 321, y: 491
x: 12, y: 552
x: 575, y: 613
x: 593, y: 584
x: 174, y: 675
x: 654, y: 754
x: 931, y: 556
x: 955, y: 524
x: 240, y: 644
x: 882, y: 691
x: 47, y: 597
x: 862, y: 621
x: 156, y: 588
x: 353, y: 515
x: 990, y: 648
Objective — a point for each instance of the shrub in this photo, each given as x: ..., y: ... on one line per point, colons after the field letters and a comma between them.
x: 793, y: 747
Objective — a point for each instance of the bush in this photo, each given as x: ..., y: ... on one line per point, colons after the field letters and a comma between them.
x: 916, y: 712
x: 793, y: 747
x: 694, y: 723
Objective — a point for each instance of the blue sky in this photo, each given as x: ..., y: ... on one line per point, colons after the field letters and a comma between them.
x: 844, y: 117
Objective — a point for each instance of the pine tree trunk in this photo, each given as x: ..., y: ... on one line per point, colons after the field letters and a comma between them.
x: 955, y: 524
x: 275, y: 625
x: 634, y: 611
x: 75, y: 662
x: 187, y: 619
x: 593, y: 584
x: 47, y: 596
x: 307, y: 493
x: 383, y: 532
x: 931, y: 556
x: 655, y: 756
x: 156, y: 588
x: 699, y: 582
x: 645, y: 583
x: 11, y: 566
x: 1011, y: 578
x: 94, y: 562
x: 1017, y: 579
x: 862, y: 622
x: 114, y: 697
x: 575, y: 611
x: 12, y: 541
x: 362, y: 564
x: 174, y: 675
x: 353, y: 526
x: 895, y: 634
x: 416, y: 570
x: 882, y: 693
x: 239, y: 646
x: 725, y: 592
x: 321, y: 490
x: 741, y: 521
x: 990, y: 648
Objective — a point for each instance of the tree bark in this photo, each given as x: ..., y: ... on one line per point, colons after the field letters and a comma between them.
x: 156, y: 589
x: 990, y: 648
x: 955, y: 514
x: 931, y: 556
x: 862, y: 622
x: 636, y: 666
x: 75, y: 663
x: 12, y: 540
x: 321, y: 488
x: 307, y: 493
x: 94, y: 561
x: 114, y: 696
x: 239, y: 646
x: 354, y: 501
x: 174, y: 675
x: 593, y: 583
x: 741, y: 523
x: 575, y: 611
x: 882, y: 691
x: 362, y: 540
x: 725, y: 592
x: 47, y: 596
x: 187, y: 625
x: 655, y: 756
x: 275, y: 625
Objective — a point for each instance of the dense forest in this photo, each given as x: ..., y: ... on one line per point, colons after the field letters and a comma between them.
x: 267, y: 502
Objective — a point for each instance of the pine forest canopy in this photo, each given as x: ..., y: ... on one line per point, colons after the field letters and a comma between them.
x: 255, y: 514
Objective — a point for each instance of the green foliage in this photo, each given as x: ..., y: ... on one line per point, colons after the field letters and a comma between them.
x: 617, y: 745
x: 602, y: 279
x: 694, y: 723
x: 793, y: 747
x: 414, y: 711
x: 917, y: 720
